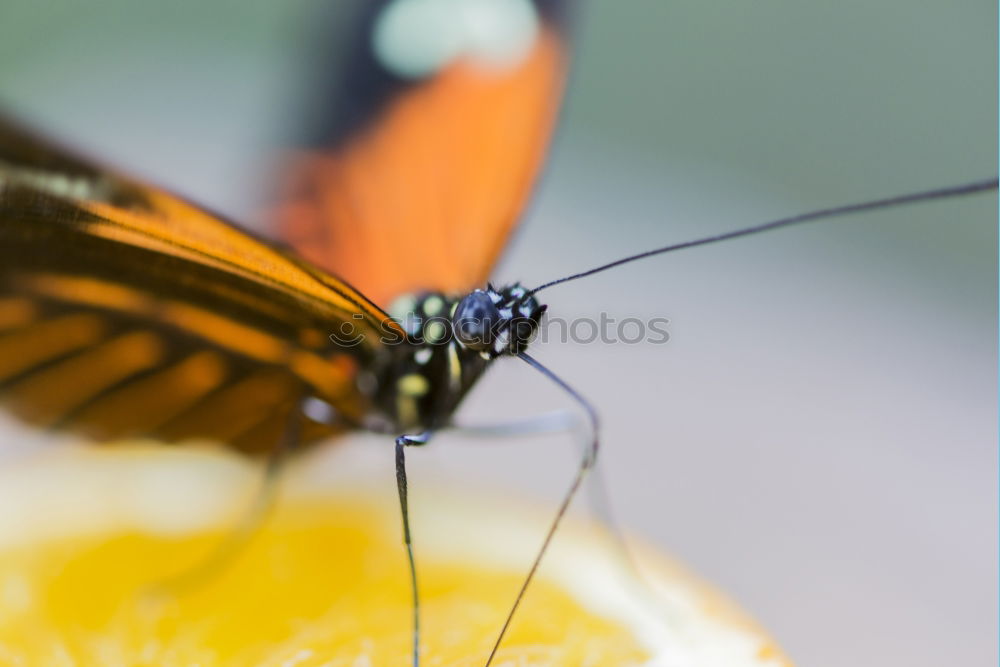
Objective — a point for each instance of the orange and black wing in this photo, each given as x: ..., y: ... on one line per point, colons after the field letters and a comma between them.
x: 435, y: 138
x: 126, y: 311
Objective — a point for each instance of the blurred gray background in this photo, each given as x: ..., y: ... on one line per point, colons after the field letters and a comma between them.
x: 819, y: 435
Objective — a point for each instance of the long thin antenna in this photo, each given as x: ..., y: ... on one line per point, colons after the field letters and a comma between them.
x: 911, y: 198
x: 586, y: 463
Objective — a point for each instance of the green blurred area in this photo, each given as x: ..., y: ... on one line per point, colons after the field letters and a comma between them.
x: 848, y: 99
x: 821, y: 103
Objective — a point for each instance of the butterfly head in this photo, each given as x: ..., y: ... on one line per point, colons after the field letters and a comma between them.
x: 450, y: 342
x: 497, y: 322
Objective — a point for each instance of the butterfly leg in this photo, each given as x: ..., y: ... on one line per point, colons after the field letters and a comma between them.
x: 560, y: 421
x: 224, y: 553
x: 402, y: 442
x: 566, y: 421
x: 556, y: 422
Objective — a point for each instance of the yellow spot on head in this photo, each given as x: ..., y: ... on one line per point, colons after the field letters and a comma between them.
x: 435, y: 332
x: 433, y: 305
x: 454, y: 366
x: 413, y: 385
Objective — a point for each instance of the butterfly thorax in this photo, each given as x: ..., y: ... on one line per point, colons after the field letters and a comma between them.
x: 452, y: 340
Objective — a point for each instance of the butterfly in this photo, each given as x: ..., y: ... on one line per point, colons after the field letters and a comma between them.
x: 305, y: 238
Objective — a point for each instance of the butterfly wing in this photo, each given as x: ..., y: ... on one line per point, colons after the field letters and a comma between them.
x: 425, y: 164
x: 126, y: 311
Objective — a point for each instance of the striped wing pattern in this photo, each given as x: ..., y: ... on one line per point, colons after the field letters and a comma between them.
x: 125, y: 311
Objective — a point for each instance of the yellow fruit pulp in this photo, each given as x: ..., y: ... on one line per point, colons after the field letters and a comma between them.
x: 324, y: 583
x: 103, y: 554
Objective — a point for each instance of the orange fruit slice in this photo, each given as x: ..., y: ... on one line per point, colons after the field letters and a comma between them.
x: 92, y: 542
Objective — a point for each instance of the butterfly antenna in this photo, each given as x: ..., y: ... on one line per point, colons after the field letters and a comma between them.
x: 838, y: 211
x: 586, y: 463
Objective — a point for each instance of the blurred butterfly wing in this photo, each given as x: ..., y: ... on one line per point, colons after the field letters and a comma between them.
x: 420, y: 175
x: 125, y: 311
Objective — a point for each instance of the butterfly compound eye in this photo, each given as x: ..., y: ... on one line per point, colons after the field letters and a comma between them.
x: 476, y: 320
